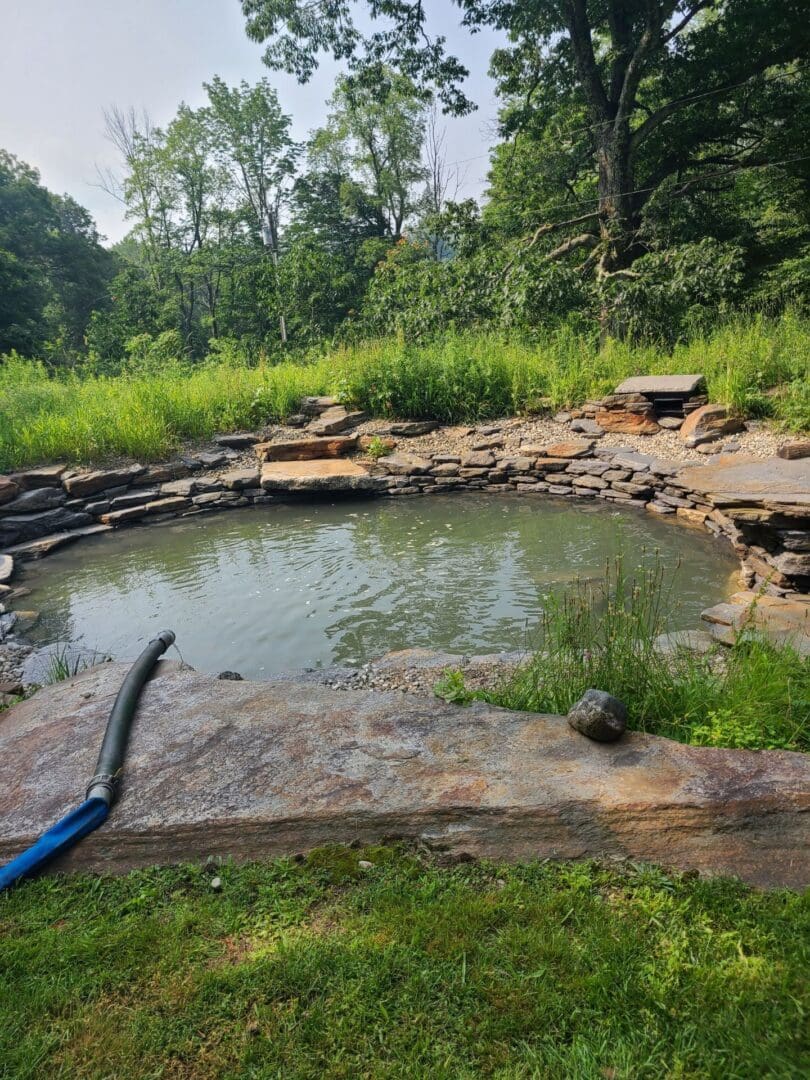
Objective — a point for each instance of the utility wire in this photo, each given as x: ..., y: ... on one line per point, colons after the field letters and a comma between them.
x: 692, y: 180
x: 687, y: 99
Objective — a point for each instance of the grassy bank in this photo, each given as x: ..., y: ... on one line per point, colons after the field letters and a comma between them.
x: 324, y: 969
x: 753, y: 695
x: 760, y: 367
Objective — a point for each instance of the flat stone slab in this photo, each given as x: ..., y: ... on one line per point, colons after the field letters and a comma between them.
x: 661, y: 384
x: 327, y: 475
x: 737, y: 480
x: 250, y: 770
x: 780, y: 618
x: 306, y: 449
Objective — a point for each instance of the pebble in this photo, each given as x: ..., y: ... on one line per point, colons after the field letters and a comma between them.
x: 216, y: 884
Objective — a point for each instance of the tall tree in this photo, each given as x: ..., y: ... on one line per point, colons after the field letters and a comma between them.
x: 252, y: 138
x: 627, y: 74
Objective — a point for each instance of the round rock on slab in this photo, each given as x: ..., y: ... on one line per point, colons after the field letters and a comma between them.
x: 599, y: 716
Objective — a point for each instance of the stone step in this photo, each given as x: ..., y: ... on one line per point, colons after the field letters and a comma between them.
x: 325, y: 475
x: 306, y: 449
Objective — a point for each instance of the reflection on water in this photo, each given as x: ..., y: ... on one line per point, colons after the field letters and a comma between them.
x: 285, y: 586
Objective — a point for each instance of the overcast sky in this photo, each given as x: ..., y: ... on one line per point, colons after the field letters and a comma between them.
x: 65, y: 61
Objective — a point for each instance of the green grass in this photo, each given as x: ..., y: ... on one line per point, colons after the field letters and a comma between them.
x: 759, y: 366
x: 753, y: 695
x: 406, y: 970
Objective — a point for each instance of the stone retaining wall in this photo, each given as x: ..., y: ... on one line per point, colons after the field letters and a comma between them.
x: 45, y: 508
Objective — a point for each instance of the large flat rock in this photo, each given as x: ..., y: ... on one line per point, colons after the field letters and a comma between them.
x: 250, y: 770
x: 680, y: 385
x: 737, y: 480
x: 328, y: 475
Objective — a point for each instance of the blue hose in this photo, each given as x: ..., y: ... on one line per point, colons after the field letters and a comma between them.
x: 65, y: 833
x: 101, y: 792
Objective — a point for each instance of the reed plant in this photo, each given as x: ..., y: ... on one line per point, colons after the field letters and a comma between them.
x: 607, y: 634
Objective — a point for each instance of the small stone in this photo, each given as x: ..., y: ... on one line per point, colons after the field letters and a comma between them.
x: 587, y: 427
x: 670, y: 423
x: 230, y: 676
x: 796, y: 448
x: 6, y: 568
x: 364, y: 864
x: 216, y: 884
x: 240, y: 440
x: 599, y: 716
x: 409, y: 429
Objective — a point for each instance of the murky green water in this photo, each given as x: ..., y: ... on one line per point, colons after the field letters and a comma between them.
x: 289, y: 586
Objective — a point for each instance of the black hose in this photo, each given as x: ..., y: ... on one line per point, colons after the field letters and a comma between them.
x: 113, y: 748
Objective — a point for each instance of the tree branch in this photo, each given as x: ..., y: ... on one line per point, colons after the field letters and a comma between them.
x: 587, y: 240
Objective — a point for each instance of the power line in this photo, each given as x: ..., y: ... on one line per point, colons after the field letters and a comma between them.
x: 693, y: 180
x: 688, y: 100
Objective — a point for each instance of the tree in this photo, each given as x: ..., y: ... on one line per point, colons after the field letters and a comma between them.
x: 373, y: 139
x: 653, y: 92
x: 252, y: 140
x: 53, y: 269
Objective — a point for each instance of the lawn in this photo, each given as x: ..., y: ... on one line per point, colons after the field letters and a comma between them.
x: 760, y: 367
x: 324, y: 968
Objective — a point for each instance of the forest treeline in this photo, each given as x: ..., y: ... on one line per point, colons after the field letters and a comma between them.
x: 651, y: 173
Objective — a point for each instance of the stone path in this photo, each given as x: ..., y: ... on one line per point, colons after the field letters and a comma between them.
x: 252, y: 770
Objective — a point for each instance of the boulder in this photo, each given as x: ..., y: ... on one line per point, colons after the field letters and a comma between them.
x: 306, y: 449
x: 88, y: 483
x: 598, y: 715
x: 262, y: 769
x: 625, y: 422
x: 707, y: 423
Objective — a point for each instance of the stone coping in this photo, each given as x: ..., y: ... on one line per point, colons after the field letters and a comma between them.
x: 252, y: 770
x: 760, y: 506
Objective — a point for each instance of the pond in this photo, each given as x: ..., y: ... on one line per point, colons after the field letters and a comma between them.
x: 307, y: 585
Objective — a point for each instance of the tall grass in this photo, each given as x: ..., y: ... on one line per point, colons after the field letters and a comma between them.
x: 754, y: 695
x: 140, y: 415
x: 759, y: 366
